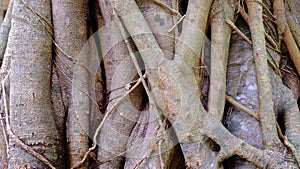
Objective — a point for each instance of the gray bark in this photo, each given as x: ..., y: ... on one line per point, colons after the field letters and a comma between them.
x: 70, y: 25
x: 31, y: 110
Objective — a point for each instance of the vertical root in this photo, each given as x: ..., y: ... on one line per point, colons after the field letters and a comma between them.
x: 266, y: 112
x: 220, y: 40
x: 284, y: 30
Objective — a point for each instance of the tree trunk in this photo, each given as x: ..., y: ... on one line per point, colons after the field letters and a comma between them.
x: 150, y: 84
x: 30, y: 107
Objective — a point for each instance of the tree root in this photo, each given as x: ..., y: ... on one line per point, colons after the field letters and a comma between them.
x: 285, y: 140
x: 294, y: 27
x: 108, y: 113
x: 10, y: 133
x: 220, y: 40
x: 187, y: 129
x: 285, y: 32
x: 266, y: 112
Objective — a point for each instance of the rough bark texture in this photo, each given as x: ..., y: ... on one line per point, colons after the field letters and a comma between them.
x: 285, y: 32
x: 31, y: 111
x: 70, y: 25
x: 119, y: 73
x: 194, y: 28
x: 160, y: 21
x: 193, y: 34
x: 187, y: 129
x: 59, y: 108
x: 242, y: 86
x: 220, y: 38
x: 266, y: 111
x: 148, y: 93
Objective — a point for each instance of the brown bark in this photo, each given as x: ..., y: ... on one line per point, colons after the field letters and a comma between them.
x: 285, y: 32
x: 266, y: 111
x: 294, y: 27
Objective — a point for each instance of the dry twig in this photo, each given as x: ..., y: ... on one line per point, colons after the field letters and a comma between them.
x: 176, y: 23
x: 232, y: 25
x: 159, y: 3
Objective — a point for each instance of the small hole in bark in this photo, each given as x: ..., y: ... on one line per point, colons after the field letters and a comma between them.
x: 213, y: 145
x: 280, y: 121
